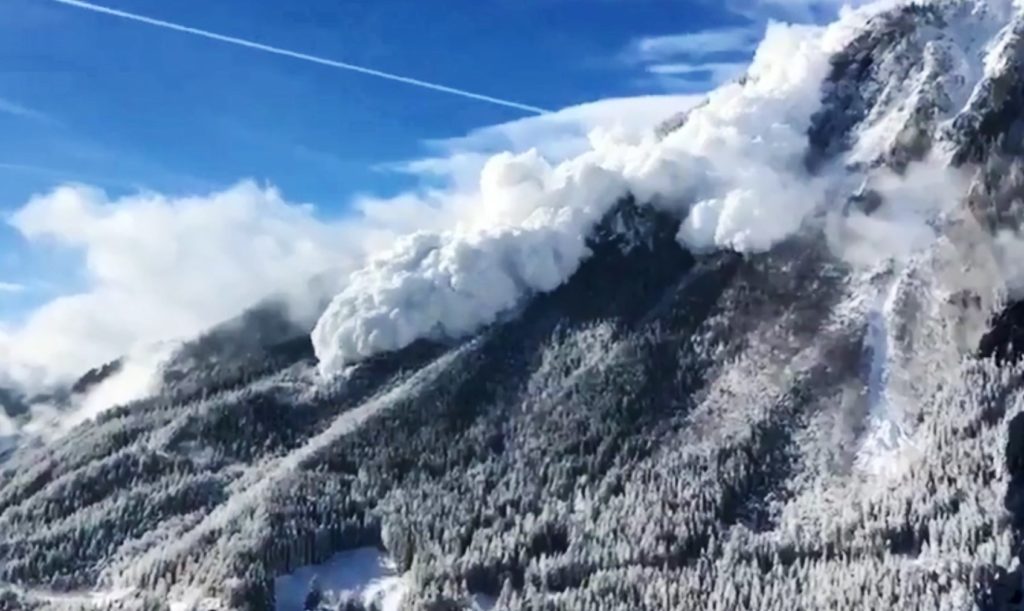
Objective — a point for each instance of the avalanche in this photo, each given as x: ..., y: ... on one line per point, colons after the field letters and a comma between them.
x: 749, y: 363
x: 737, y: 172
x: 739, y: 160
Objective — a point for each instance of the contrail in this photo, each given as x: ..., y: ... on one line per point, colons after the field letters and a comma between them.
x: 96, y: 8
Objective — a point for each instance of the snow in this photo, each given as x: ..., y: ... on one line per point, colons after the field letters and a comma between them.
x: 365, y: 571
x: 735, y: 171
x: 138, y: 252
x: 88, y: 599
x: 7, y: 443
x: 483, y: 602
x: 968, y: 48
x: 196, y: 601
x: 880, y: 451
x: 1001, y: 52
x: 449, y: 285
x: 253, y: 484
x: 138, y: 377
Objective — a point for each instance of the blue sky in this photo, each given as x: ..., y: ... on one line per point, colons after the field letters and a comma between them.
x: 90, y: 98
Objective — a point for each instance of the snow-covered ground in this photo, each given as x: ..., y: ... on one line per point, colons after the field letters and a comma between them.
x: 886, y: 435
x: 94, y: 599
x: 483, y: 602
x: 366, y: 572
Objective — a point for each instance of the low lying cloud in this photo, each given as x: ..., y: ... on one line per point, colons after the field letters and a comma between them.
x: 137, y: 376
x: 159, y: 268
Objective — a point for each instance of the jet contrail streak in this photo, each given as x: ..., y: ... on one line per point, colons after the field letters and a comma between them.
x: 96, y: 8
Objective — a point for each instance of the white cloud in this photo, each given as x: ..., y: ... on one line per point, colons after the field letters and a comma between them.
x: 558, y: 136
x: 685, y: 76
x: 805, y: 11
x: 11, y: 287
x: 138, y: 376
x: 12, y: 108
x: 160, y: 268
x: 694, y: 45
x: 693, y: 61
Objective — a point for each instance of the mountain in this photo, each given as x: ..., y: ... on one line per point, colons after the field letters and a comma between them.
x: 832, y: 421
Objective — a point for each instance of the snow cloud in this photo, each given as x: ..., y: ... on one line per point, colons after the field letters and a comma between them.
x: 734, y: 170
x: 159, y: 268
x: 558, y: 136
x: 487, y: 229
x: 527, y: 237
x: 907, y: 217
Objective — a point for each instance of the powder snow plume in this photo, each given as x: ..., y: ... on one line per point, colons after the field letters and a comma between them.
x: 735, y: 170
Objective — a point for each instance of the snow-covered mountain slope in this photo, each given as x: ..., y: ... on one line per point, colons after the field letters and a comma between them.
x: 768, y: 359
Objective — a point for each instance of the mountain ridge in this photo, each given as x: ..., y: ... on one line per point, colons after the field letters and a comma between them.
x: 808, y: 426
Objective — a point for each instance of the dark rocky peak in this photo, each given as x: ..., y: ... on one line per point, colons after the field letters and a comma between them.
x: 630, y: 226
x: 992, y: 121
x: 12, y: 402
x: 96, y: 376
x: 1005, y: 340
x: 678, y: 120
x: 261, y: 339
x: 886, y: 90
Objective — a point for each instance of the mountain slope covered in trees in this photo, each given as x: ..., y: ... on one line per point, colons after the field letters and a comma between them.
x: 814, y: 426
